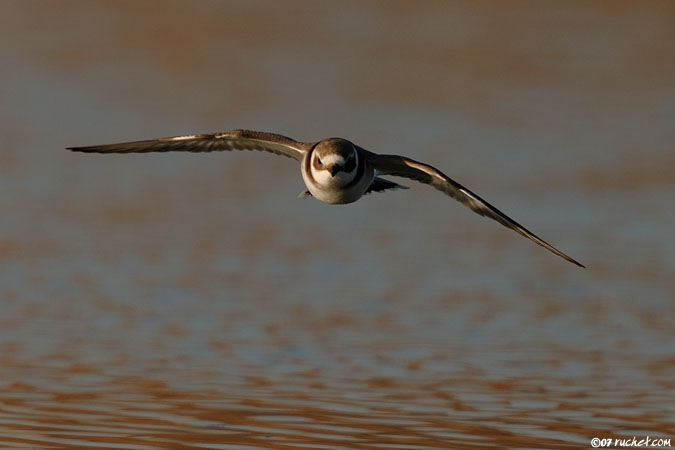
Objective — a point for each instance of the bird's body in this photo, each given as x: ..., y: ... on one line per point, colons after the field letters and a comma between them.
x: 334, y: 173
x: 334, y: 170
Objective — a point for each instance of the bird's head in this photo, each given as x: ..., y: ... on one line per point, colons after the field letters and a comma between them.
x: 334, y: 162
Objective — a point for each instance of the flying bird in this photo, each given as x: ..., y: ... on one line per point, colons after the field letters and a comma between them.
x: 334, y: 170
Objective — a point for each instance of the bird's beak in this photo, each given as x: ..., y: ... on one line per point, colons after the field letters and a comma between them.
x: 333, y: 169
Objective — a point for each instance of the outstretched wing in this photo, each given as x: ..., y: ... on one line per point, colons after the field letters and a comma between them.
x: 225, y: 141
x: 408, y: 168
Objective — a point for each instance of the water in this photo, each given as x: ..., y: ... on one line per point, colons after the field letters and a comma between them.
x: 192, y: 301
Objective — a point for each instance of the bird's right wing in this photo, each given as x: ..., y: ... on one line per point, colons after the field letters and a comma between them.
x: 225, y: 141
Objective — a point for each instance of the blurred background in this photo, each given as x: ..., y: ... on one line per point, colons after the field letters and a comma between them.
x: 193, y: 301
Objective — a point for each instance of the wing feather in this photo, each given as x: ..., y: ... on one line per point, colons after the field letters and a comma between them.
x: 225, y: 141
x: 405, y: 167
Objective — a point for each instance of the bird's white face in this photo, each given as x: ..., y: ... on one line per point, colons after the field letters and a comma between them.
x: 334, y: 164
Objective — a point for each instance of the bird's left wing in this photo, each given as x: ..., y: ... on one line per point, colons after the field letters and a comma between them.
x: 225, y: 141
x: 424, y: 173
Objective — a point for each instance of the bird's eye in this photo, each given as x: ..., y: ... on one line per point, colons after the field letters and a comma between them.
x: 318, y: 161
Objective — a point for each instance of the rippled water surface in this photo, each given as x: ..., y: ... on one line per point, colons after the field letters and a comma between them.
x: 192, y: 301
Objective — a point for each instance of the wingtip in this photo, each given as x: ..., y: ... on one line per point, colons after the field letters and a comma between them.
x: 572, y: 260
x: 92, y: 149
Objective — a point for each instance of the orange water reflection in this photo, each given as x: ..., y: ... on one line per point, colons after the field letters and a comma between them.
x: 317, y: 411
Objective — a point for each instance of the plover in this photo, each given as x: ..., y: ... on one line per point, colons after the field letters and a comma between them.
x: 334, y: 170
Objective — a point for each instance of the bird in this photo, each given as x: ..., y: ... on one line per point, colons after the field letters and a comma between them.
x: 334, y: 170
